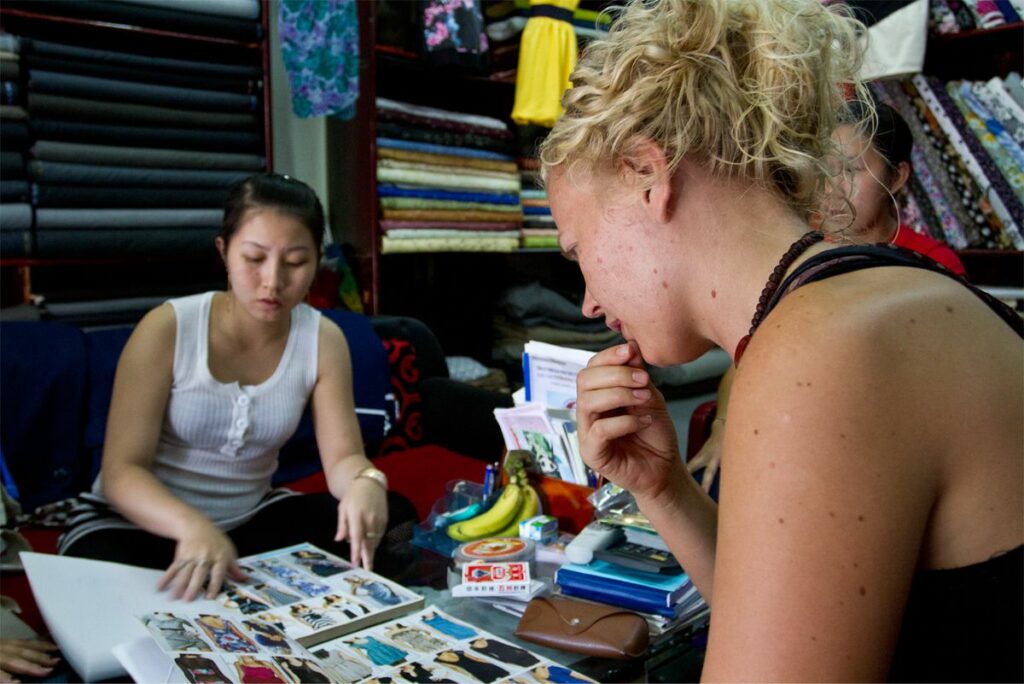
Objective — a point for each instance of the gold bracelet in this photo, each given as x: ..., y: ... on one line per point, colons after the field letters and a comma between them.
x: 375, y: 474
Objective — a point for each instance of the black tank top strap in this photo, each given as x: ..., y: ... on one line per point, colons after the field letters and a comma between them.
x: 856, y: 257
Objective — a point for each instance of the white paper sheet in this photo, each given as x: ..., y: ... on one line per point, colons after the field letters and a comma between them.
x: 91, y: 606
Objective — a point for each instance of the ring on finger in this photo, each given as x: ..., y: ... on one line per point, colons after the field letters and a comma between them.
x: 373, y: 535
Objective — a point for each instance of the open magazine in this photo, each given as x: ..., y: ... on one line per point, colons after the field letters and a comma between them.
x: 427, y: 646
x: 304, y: 592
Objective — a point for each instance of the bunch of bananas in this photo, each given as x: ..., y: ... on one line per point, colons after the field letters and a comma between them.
x: 518, y: 501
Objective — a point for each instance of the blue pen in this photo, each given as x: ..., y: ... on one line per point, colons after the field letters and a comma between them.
x: 488, y: 480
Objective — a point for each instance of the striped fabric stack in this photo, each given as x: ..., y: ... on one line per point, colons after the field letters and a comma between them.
x: 539, y: 230
x: 446, y: 181
x: 967, y: 187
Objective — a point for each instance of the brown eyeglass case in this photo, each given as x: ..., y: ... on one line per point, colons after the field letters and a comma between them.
x: 582, y: 627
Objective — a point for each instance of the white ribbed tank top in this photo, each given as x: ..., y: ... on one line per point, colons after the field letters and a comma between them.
x: 219, y: 443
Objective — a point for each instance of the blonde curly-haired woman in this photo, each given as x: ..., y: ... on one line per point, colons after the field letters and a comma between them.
x: 872, y: 513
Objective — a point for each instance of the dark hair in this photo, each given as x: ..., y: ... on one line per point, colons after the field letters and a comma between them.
x: 273, y: 191
x: 892, y: 137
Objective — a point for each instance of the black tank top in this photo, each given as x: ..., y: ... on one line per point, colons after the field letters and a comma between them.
x: 962, y: 624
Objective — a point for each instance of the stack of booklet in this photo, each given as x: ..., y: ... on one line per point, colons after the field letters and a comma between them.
x: 544, y: 420
x: 304, y: 616
x: 668, y: 602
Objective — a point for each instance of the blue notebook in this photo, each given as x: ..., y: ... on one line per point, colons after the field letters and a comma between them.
x: 669, y: 588
x: 623, y: 600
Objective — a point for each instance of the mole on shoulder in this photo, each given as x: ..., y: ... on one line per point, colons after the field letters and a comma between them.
x: 714, y: 293
x: 949, y: 309
x: 863, y: 590
x: 664, y: 284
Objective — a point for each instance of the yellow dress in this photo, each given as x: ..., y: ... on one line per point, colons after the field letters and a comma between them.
x: 547, y: 55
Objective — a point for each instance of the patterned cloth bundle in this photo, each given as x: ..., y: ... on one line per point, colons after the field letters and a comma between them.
x: 967, y: 186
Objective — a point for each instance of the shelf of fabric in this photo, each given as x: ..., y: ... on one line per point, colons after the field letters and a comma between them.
x: 139, y: 116
x: 980, y: 53
x: 997, y: 267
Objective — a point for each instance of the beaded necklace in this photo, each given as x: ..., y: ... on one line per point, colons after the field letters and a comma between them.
x: 774, y: 280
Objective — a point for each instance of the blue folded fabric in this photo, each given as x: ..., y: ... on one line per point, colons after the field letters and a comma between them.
x: 537, y: 211
x: 497, y: 198
x: 440, y: 149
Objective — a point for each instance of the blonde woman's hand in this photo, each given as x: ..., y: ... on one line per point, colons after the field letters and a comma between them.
x: 204, y: 556
x: 626, y: 433
x: 32, y: 657
x: 709, y: 457
x: 362, y: 519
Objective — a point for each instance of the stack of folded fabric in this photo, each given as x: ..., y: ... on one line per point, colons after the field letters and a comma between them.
x: 539, y: 230
x: 955, y: 16
x: 534, y: 312
x: 15, y: 210
x: 446, y: 181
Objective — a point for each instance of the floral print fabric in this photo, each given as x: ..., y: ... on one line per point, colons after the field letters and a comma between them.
x: 320, y: 47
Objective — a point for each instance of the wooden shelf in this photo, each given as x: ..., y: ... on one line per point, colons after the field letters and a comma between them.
x: 976, y: 55
x: 999, y: 267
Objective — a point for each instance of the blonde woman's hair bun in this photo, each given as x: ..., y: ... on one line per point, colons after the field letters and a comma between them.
x: 749, y: 88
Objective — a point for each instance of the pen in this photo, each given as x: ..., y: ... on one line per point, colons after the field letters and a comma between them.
x: 488, y: 480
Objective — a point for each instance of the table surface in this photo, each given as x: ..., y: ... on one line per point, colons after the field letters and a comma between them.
x: 675, y: 658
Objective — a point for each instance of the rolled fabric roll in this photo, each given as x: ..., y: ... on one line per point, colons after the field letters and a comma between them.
x: 14, y: 136
x: 15, y: 217
x: 177, y: 138
x: 16, y: 244
x: 115, y: 155
x: 153, y: 17
x: 126, y: 219
x: 240, y: 9
x: 98, y: 196
x: 59, y: 107
x: 91, y: 87
x: 13, y: 113
x: 106, y: 243
x: 120, y: 72
x: 61, y: 173
x: 13, y: 190
x: 71, y: 53
x: 12, y: 166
